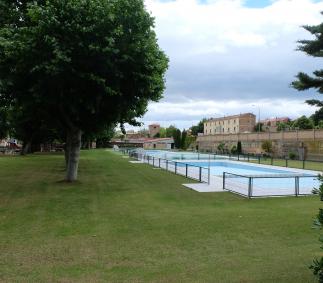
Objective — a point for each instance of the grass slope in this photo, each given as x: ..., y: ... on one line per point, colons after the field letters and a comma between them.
x: 126, y: 222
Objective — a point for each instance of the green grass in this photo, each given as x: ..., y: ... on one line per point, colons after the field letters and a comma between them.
x: 309, y: 165
x: 126, y: 222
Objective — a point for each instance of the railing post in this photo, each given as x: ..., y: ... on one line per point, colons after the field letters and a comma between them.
x: 223, y: 179
x: 250, y: 188
x: 153, y: 161
x: 258, y: 159
x: 200, y: 174
x: 166, y: 164
x: 286, y: 161
x: 238, y: 157
x: 303, y: 163
x: 186, y: 169
x: 175, y: 167
x: 296, y: 186
x: 248, y: 157
x: 198, y: 156
x: 159, y: 162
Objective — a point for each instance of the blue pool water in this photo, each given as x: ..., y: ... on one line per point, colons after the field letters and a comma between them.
x: 218, y: 167
x: 269, y: 180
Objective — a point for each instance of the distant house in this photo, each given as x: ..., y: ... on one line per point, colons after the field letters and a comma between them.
x: 230, y: 124
x: 146, y: 143
x: 159, y: 143
x: 271, y: 124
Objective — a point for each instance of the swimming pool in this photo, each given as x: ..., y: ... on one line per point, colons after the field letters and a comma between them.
x: 265, y: 180
x: 172, y: 155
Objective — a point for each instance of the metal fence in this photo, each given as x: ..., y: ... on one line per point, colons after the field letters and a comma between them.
x: 267, y: 160
x: 253, y: 186
x: 195, y: 172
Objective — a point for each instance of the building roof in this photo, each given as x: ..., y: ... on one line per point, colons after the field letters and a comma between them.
x: 230, y: 117
x: 277, y: 119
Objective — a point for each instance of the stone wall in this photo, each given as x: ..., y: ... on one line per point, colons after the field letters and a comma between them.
x: 309, y: 142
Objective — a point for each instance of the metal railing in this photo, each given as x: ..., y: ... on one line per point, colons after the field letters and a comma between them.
x: 253, y: 186
x: 257, y: 158
x: 195, y: 172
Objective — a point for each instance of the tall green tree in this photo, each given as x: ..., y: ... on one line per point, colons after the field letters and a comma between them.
x: 162, y: 132
x: 87, y: 63
x: 177, y: 135
x: 304, y: 81
x: 4, y: 123
x: 199, y: 128
x: 318, y: 115
x: 303, y: 123
x: 183, y: 139
x: 170, y: 131
x: 312, y: 48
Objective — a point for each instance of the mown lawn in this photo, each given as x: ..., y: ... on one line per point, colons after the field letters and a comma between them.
x: 126, y: 222
x: 309, y: 165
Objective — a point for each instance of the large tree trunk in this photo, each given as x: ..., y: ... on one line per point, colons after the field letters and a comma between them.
x: 74, y: 141
x: 26, y: 147
x: 67, y: 150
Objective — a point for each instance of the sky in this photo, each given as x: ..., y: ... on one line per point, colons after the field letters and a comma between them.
x: 232, y: 56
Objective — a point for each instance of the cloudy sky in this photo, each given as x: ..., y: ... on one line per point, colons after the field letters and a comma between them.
x: 232, y: 56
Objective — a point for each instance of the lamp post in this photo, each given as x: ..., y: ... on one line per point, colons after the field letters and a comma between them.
x: 258, y: 116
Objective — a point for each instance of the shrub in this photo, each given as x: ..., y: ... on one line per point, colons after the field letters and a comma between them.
x: 234, y: 150
x: 292, y: 155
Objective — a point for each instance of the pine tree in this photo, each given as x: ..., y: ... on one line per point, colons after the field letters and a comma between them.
x: 314, y: 48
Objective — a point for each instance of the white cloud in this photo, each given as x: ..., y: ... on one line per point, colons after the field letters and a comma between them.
x: 190, y: 25
x: 225, y: 57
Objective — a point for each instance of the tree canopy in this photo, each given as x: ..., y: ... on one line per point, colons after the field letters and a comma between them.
x: 86, y: 64
x: 304, y: 81
x: 199, y: 128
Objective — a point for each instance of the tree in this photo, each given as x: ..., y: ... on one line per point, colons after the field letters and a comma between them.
x: 170, y: 131
x: 303, y: 123
x: 282, y: 126
x: 259, y: 127
x: 103, y: 138
x: 239, y: 147
x: 318, y: 115
x: 87, y: 63
x: 4, y: 123
x: 183, y: 139
x: 317, y: 264
x: 304, y: 82
x: 221, y: 147
x: 177, y: 138
x: 267, y: 146
x: 199, y: 128
x: 162, y: 132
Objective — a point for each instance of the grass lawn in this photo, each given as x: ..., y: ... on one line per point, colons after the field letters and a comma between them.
x: 126, y: 222
x: 309, y: 165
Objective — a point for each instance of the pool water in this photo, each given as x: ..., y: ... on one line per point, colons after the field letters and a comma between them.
x: 270, y: 180
x: 217, y: 168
